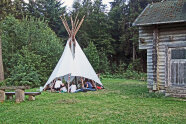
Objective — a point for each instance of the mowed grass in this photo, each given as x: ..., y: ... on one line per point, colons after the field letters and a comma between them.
x: 123, y: 101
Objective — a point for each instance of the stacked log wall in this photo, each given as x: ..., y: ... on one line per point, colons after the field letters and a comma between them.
x: 146, y: 42
x: 170, y: 36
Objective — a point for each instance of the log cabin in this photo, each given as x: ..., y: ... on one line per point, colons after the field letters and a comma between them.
x: 162, y: 32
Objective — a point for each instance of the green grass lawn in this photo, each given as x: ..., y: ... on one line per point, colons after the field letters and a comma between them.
x: 123, y: 101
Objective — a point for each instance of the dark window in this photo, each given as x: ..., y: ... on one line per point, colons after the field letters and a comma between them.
x: 178, y: 54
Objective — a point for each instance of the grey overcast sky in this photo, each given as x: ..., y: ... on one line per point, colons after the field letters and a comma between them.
x: 69, y: 3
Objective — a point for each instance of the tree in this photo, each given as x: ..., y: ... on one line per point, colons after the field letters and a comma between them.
x: 92, y: 55
x: 1, y: 62
x: 118, y: 18
x: 5, y: 7
x: 31, y: 46
x: 26, y: 68
x: 50, y: 11
x: 104, y: 63
x: 19, y: 9
x: 95, y: 27
x: 135, y: 8
x: 125, y: 36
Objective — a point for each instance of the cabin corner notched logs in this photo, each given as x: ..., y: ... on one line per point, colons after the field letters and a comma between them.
x: 164, y: 37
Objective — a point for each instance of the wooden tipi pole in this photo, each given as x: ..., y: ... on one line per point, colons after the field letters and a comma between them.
x: 79, y: 25
x: 67, y: 29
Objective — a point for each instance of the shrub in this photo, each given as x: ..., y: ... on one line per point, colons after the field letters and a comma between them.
x: 129, y: 73
x: 104, y: 63
x: 133, y: 74
x: 136, y: 65
x: 26, y: 69
x: 30, y: 50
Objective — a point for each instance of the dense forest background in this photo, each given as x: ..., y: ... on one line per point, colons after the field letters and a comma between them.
x: 32, y: 37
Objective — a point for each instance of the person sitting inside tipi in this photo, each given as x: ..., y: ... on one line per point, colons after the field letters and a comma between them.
x: 57, y: 85
x: 73, y: 88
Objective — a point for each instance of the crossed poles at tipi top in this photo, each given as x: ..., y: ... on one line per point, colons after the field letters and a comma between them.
x: 72, y: 33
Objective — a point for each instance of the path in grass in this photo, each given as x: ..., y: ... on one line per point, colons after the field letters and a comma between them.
x: 123, y: 101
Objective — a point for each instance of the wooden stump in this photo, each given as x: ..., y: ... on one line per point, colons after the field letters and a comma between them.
x: 31, y: 98
x: 9, y: 97
x: 2, y: 96
x: 19, y: 95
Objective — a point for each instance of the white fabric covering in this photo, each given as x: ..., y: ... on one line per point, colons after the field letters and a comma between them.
x: 79, y: 66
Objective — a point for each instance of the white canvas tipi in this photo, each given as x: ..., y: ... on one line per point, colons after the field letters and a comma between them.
x: 73, y: 62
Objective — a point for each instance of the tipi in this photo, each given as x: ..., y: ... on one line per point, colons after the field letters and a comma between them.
x: 73, y: 62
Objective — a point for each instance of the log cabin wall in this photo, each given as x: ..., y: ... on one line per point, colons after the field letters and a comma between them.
x: 168, y: 36
x: 146, y: 42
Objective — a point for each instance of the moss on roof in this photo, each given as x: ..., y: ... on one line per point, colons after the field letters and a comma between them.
x: 163, y: 12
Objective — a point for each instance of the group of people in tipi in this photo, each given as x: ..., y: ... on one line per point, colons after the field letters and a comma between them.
x: 73, y: 67
x: 77, y: 85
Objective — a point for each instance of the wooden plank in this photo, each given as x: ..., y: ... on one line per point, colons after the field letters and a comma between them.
x: 145, y: 46
x: 173, y: 72
x: 162, y: 50
x: 149, y: 64
x: 175, y: 44
x: 147, y: 42
x: 145, y: 31
x: 172, y: 25
x: 142, y: 47
x: 9, y: 93
x: 146, y: 35
x: 149, y: 54
x: 150, y: 70
x: 161, y: 53
x: 166, y: 66
x: 146, y: 28
x: 26, y: 93
x: 14, y: 87
x: 167, y: 40
x: 32, y: 93
x: 162, y: 71
x: 181, y: 73
x: 174, y: 37
x: 154, y: 55
x: 173, y: 31
x: 149, y: 39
